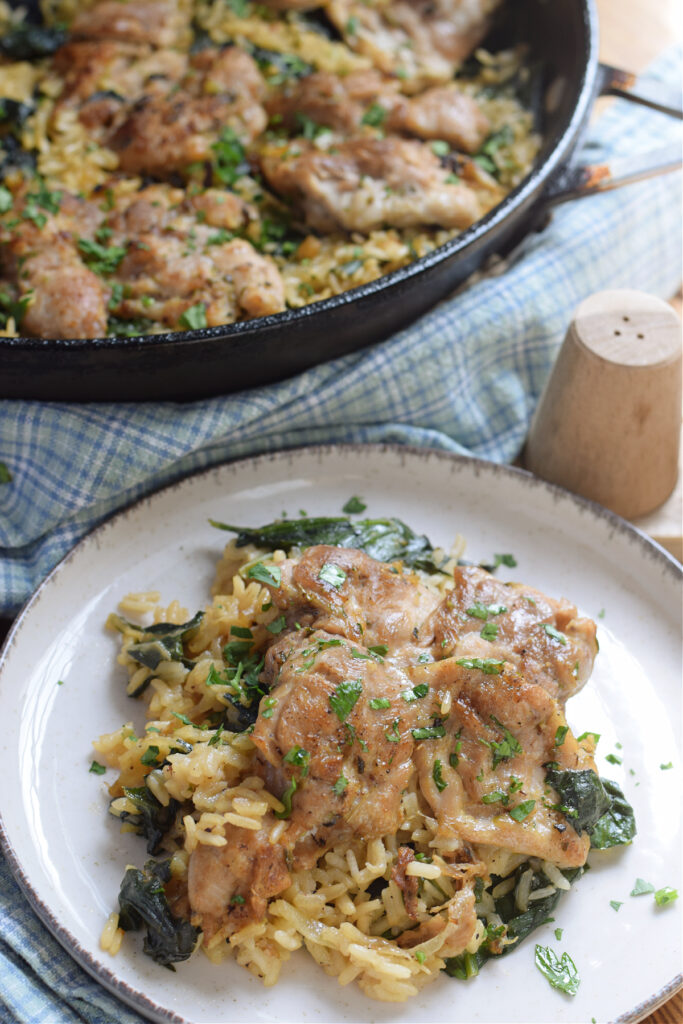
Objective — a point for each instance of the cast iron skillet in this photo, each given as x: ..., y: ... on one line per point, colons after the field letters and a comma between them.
x: 563, y: 38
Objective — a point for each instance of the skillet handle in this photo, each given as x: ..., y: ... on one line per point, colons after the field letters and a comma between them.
x: 580, y: 180
x: 613, y: 82
x: 576, y: 181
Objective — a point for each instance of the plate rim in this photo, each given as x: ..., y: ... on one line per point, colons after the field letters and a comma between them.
x: 647, y: 547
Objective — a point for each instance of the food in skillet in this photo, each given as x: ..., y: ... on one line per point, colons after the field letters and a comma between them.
x: 174, y: 164
x: 360, y: 747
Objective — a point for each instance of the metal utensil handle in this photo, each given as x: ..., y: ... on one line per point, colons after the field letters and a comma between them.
x: 574, y: 182
x: 657, y: 96
x: 579, y: 180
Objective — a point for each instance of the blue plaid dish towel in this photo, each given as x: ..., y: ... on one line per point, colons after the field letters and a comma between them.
x: 465, y: 378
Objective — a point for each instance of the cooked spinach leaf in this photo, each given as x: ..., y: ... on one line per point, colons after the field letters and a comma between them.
x: 163, y: 642
x: 516, y: 925
x: 151, y: 819
x: 387, y: 540
x: 583, y: 798
x: 142, y: 902
x: 617, y: 826
x: 26, y: 41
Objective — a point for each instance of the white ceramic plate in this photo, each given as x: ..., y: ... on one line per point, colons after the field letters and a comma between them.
x: 69, y: 855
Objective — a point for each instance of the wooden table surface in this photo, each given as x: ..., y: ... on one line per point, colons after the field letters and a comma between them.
x: 632, y: 33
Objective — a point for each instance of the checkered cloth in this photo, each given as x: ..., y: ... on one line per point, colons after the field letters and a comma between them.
x: 464, y: 378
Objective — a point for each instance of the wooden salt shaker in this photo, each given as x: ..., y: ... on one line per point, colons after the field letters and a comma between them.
x: 608, y: 424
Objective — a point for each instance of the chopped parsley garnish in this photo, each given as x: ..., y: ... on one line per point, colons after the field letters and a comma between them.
x: 268, y: 706
x: 271, y: 575
x: 96, y: 768
x: 216, y: 738
x: 615, y: 904
x: 561, y: 971
x: 523, y: 810
x: 439, y: 780
x: 150, y: 755
x: 489, y: 666
x: 641, y: 887
x: 439, y: 147
x: 665, y: 895
x: 15, y: 309
x: 503, y: 749
x: 377, y: 703
x: 277, y: 625
x: 379, y: 650
x: 393, y: 735
x: 237, y: 900
x: 340, y: 785
x: 432, y: 732
x: 242, y: 632
x: 417, y: 692
x: 489, y: 631
x: 194, y: 317
x: 560, y: 734
x: 101, y: 259
x: 554, y: 633
x: 182, y: 718
x: 298, y: 757
x: 505, y: 559
x: 613, y: 759
x: 286, y: 800
x: 454, y: 759
x: 485, y: 611
x: 229, y: 161
x: 494, y: 798
x: 344, y: 698
x: 374, y: 116
x: 332, y: 574
x: 240, y: 8
x: 354, y: 505
x: 310, y: 129
x: 665, y: 767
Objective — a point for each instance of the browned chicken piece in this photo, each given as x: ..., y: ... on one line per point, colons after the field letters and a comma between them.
x: 421, y: 40
x: 340, y: 728
x: 249, y: 867
x: 165, y: 274
x: 160, y: 24
x: 344, y: 104
x: 69, y: 300
x: 164, y: 209
x: 408, y: 884
x: 366, y: 184
x: 85, y: 66
x: 220, y: 209
x: 542, y: 638
x: 460, y: 920
x: 498, y: 735
x: 345, y: 591
x: 163, y: 134
x: 443, y: 112
x: 258, y: 286
x: 40, y: 259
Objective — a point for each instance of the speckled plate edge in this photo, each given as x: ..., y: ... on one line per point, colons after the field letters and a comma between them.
x: 645, y: 545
